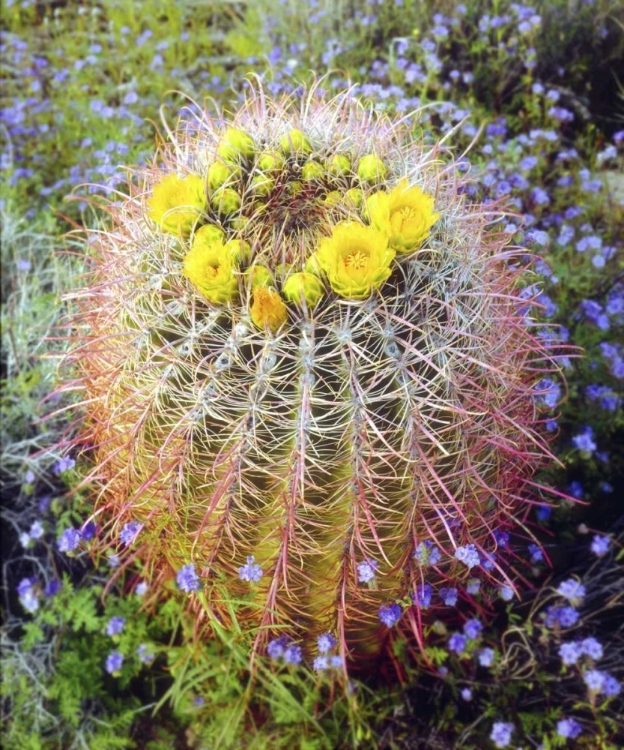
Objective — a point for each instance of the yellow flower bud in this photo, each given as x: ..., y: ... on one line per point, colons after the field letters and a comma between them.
x: 405, y: 214
x: 219, y: 174
x: 211, y: 267
x: 354, y: 196
x: 236, y: 145
x: 312, y: 170
x: 295, y: 142
x: 333, y: 198
x: 177, y: 202
x: 259, y: 276
x: 270, y: 162
x: 268, y: 309
x: 226, y: 201
x: 356, y: 259
x: 208, y: 234
x: 339, y: 165
x: 261, y: 185
x: 303, y: 286
x: 371, y: 169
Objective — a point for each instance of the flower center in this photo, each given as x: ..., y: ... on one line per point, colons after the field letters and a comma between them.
x: 356, y: 260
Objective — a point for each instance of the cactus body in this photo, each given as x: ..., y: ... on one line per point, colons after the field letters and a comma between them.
x: 343, y: 394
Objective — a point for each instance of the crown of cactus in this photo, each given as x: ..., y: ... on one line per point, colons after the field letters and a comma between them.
x: 310, y: 380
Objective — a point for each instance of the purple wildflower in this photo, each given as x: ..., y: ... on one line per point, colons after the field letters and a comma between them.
x: 473, y: 585
x: 473, y: 628
x: 366, y: 571
x: 115, y: 625
x: 611, y: 686
x: 27, y: 595
x: 423, y: 595
x: 536, y: 553
x: 130, y: 532
x: 486, y: 657
x: 584, y: 441
x: 141, y: 588
x: 52, y: 588
x: 87, y: 532
x: 568, y: 617
x: 320, y: 663
x: 501, y: 733
x: 63, y: 464
x: 592, y: 648
x: 251, y: 572
x: 572, y: 590
x: 187, y: 579
x: 600, y: 545
x: 390, y: 614
x: 457, y: 643
x: 466, y: 694
x: 427, y: 554
x: 595, y: 680
x: 449, y: 596
x: 69, y: 540
x: 276, y: 647
x: 144, y: 654
x: 326, y: 642
x: 570, y: 653
x: 468, y: 555
x: 506, y: 593
x: 114, y: 662
x: 569, y: 728
x: 292, y: 654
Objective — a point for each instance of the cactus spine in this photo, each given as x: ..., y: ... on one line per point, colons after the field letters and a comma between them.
x: 305, y: 347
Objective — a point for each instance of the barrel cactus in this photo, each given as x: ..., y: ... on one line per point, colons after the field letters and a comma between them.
x: 310, y: 378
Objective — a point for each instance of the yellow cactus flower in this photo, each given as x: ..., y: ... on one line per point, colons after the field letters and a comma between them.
x: 211, y: 267
x: 356, y: 259
x: 303, y: 285
x: 405, y: 213
x: 177, y: 202
x: 208, y: 234
x: 236, y: 145
x: 371, y: 169
x: 268, y: 309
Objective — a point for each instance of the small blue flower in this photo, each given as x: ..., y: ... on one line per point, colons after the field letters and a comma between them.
x: 473, y: 628
x: 292, y: 654
x: 486, y: 657
x: 63, y: 464
x: 52, y: 588
x: 466, y: 694
x: 130, y: 532
x: 592, y: 648
x: 572, y: 590
x: 584, y: 441
x: 569, y: 728
x: 506, y: 593
x: 449, y: 596
x: 390, y: 614
x: 468, y: 555
x: 570, y: 653
x: 423, y: 595
x: 611, y: 686
x: 594, y: 679
x: 88, y: 531
x: 600, y: 545
x: 326, y: 642
x: 501, y: 733
x: 457, y: 643
x: 536, y: 553
x: 320, y: 663
x: 27, y: 594
x: 114, y: 662
x: 366, y: 571
x: 251, y: 572
x: 427, y: 554
x: 188, y: 579
x: 145, y: 655
x: 473, y: 585
x: 69, y: 540
x: 141, y: 589
x: 277, y: 646
x: 36, y: 530
x: 115, y: 625
x: 489, y: 560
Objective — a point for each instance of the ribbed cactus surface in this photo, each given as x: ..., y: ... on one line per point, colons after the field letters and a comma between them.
x: 301, y: 344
